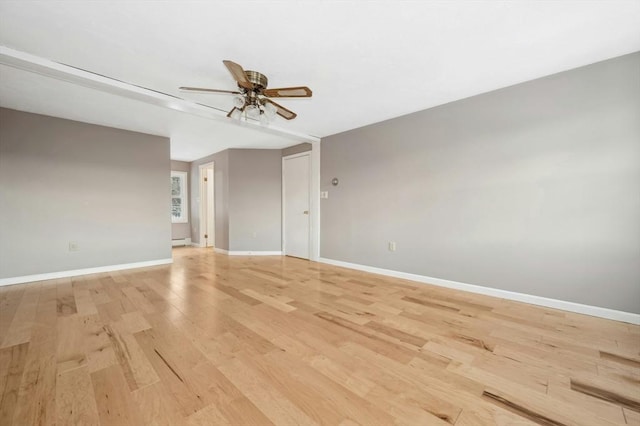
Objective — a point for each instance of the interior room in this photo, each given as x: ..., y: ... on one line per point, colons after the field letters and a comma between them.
x: 320, y: 212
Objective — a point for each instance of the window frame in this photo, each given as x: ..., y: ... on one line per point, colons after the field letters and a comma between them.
x: 184, y: 196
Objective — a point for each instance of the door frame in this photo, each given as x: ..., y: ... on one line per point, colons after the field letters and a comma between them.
x: 311, y: 212
x: 202, y: 173
x: 315, y: 201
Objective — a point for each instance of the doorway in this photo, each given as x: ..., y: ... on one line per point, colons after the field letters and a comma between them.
x: 207, y: 206
x: 296, y: 189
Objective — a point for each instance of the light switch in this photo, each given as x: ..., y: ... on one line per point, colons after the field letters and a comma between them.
x: 324, y: 194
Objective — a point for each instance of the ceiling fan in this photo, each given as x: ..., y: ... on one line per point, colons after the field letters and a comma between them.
x: 252, y: 97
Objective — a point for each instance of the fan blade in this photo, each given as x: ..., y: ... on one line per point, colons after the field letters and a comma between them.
x: 238, y: 74
x: 203, y: 90
x: 282, y: 111
x: 288, y: 92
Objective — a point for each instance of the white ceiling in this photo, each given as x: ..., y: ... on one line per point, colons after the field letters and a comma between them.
x: 366, y: 61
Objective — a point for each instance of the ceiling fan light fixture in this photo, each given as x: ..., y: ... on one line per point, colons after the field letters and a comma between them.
x: 238, y: 101
x: 264, y: 120
x: 236, y: 114
x: 270, y: 110
x: 253, y: 111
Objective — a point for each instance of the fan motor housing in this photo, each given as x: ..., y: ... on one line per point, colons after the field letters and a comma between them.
x: 258, y: 79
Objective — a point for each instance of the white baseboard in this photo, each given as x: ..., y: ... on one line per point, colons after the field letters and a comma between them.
x: 247, y: 253
x: 181, y: 242
x: 595, y: 311
x: 86, y: 271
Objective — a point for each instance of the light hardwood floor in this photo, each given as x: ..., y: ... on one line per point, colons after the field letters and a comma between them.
x: 214, y: 340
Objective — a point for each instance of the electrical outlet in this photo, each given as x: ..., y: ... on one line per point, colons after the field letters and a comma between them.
x: 73, y: 246
x: 392, y: 246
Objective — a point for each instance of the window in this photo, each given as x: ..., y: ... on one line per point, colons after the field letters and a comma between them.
x: 179, y: 200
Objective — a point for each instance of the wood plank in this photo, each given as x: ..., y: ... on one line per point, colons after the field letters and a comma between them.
x: 522, y: 410
x: 84, y: 302
x: 492, y: 418
x: 70, y: 352
x: 134, y: 364
x: 631, y: 362
x: 9, y: 302
x: 75, y: 400
x: 277, y: 407
x: 36, y: 398
x: 96, y: 344
x: 12, y: 363
x: 66, y: 302
x: 542, y: 409
x: 336, y: 372
x: 560, y: 388
x: 22, y: 322
x: 156, y: 406
x: 269, y: 300
x: 113, y: 399
x: 629, y: 401
x: 277, y: 340
x: 178, y: 381
x: 631, y: 417
x: 317, y: 394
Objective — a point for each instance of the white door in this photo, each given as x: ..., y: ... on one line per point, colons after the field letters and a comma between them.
x: 296, y: 183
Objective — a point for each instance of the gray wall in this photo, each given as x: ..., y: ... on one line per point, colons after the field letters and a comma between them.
x: 255, y: 199
x: 221, y: 196
x: 182, y: 230
x: 63, y: 181
x: 296, y: 149
x: 534, y: 189
x: 248, y: 199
